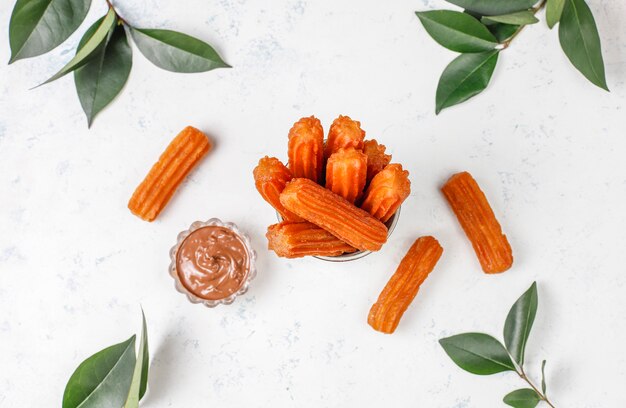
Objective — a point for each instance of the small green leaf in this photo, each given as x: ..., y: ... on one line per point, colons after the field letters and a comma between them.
x: 554, y: 10
x: 543, y: 377
x: 457, y: 31
x: 140, y: 375
x: 502, y: 32
x: 100, y: 80
x: 518, y: 323
x: 38, y: 26
x: 465, y: 77
x: 518, y: 18
x: 524, y: 398
x: 494, y: 7
x: 580, y: 41
x: 100, y: 35
x: 176, y: 52
x: 102, y: 380
x: 477, y: 353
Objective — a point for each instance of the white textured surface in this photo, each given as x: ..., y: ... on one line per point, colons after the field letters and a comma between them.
x: 546, y: 146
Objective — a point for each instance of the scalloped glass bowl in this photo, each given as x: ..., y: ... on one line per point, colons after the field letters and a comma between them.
x: 246, y: 283
x: 353, y: 256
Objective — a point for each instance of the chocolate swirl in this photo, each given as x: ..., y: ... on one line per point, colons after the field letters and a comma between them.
x: 213, y: 262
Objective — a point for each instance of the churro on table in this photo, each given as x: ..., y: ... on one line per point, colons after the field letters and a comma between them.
x: 179, y: 158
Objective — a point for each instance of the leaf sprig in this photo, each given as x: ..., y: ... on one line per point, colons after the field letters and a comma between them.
x: 113, y: 377
x: 487, y: 27
x: 482, y: 354
x: 103, y: 59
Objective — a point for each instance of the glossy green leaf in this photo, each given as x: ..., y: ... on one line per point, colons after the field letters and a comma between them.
x: 524, y: 398
x: 518, y: 18
x: 543, y: 377
x: 554, y: 10
x: 494, y: 7
x: 580, y: 41
x: 103, y: 380
x: 102, y: 78
x: 518, y: 323
x: 90, y: 47
x: 140, y: 375
x: 465, y: 77
x: 502, y: 32
x: 477, y: 353
x: 457, y: 31
x: 176, y: 52
x: 38, y: 26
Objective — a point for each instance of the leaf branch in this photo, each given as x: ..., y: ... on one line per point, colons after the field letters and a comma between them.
x: 120, y: 18
x: 534, y: 10
x: 541, y: 395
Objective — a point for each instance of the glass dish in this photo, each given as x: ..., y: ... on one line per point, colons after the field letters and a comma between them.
x: 193, y: 298
x: 353, y: 256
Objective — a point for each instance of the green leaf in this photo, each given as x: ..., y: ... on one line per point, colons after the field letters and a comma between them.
x: 38, y: 26
x: 477, y: 353
x: 494, y: 7
x: 100, y: 35
x: 543, y: 377
x: 502, y: 32
x: 457, y: 31
x: 518, y: 323
x: 465, y: 77
x: 579, y: 39
x: 518, y: 18
x: 554, y: 10
x: 103, y: 379
x: 140, y: 375
x: 524, y: 398
x: 176, y: 52
x: 100, y: 80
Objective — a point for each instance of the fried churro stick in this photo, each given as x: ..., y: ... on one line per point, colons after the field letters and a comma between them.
x: 344, y: 132
x: 178, y: 159
x: 386, y: 192
x: 306, y: 149
x: 346, y: 173
x: 326, y: 209
x: 403, y: 286
x: 270, y: 178
x: 479, y: 222
x: 376, y: 158
x: 297, y: 239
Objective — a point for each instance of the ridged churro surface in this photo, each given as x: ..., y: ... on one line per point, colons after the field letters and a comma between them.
x: 346, y: 173
x: 297, y: 239
x: 376, y: 158
x: 403, y: 286
x: 479, y: 222
x: 332, y: 212
x: 178, y: 159
x: 270, y: 178
x: 386, y: 192
x: 306, y: 149
x: 344, y: 132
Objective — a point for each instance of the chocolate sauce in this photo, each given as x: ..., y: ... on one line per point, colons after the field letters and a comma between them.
x: 213, y: 262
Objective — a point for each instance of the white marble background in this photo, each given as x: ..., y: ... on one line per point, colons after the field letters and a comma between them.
x: 547, y: 147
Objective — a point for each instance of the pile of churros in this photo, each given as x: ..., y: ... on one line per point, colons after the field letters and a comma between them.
x: 334, y: 195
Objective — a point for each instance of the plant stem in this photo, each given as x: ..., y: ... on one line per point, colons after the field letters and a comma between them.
x: 120, y: 18
x: 542, y: 396
x: 535, y: 9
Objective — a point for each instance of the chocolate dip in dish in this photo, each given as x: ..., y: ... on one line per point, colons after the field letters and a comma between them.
x: 212, y: 262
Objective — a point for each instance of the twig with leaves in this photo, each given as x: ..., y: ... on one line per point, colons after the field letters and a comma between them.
x: 103, y: 60
x: 113, y: 377
x: 482, y: 354
x: 486, y: 27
